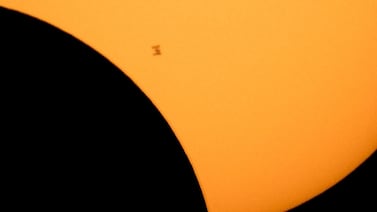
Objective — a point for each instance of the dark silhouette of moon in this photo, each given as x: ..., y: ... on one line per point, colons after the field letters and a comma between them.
x: 78, y: 133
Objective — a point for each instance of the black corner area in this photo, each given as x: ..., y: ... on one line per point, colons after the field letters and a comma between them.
x: 77, y: 133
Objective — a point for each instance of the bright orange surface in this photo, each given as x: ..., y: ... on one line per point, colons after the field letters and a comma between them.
x: 273, y: 101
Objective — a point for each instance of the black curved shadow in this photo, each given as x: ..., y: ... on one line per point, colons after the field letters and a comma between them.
x: 356, y: 192
x: 77, y: 133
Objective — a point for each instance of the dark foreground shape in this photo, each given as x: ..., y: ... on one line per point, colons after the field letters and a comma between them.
x: 77, y: 133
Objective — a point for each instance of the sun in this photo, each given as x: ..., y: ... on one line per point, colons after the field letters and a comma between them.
x: 272, y: 101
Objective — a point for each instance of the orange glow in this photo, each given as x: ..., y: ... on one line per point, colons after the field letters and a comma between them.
x: 273, y: 101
